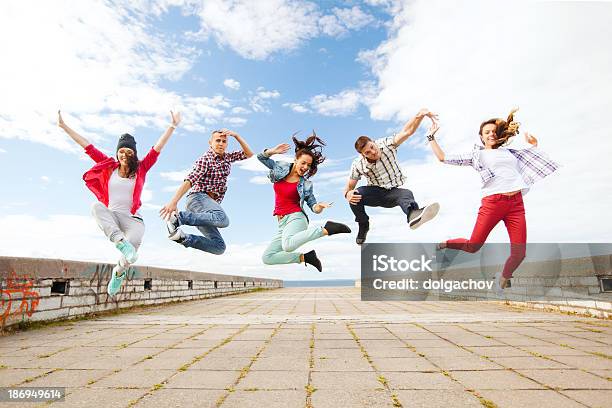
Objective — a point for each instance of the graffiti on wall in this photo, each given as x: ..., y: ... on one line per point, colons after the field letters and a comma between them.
x: 18, y: 298
x: 99, y: 275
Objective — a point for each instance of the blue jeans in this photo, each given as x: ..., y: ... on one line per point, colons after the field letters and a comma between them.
x: 206, y: 215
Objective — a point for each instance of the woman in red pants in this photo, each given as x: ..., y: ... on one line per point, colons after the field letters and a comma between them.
x: 506, y: 175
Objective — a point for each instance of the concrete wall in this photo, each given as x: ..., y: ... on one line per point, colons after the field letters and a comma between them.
x: 31, y: 288
x: 568, y: 285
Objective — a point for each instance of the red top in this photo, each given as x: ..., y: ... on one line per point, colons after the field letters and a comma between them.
x: 286, y: 197
x: 96, y: 178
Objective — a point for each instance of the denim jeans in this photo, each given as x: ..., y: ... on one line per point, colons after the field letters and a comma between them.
x: 206, y: 215
x: 374, y: 196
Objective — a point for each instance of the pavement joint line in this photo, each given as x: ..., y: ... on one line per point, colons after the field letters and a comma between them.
x: 309, y: 387
x: 521, y: 374
x: 113, y: 372
x: 473, y: 392
x: 246, y: 369
x: 193, y: 361
x: 381, y: 379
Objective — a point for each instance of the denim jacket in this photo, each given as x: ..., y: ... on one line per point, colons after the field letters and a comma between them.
x: 280, y: 170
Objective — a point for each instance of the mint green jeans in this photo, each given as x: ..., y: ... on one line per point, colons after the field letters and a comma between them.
x: 293, y: 231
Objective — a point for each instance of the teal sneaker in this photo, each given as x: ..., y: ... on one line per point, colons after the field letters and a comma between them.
x: 128, y: 251
x: 114, y: 284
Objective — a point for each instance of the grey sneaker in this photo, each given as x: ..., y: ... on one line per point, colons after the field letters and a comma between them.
x: 172, y: 224
x: 422, y: 215
x: 178, y: 236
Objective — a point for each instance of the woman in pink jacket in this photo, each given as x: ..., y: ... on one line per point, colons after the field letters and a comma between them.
x: 117, y: 183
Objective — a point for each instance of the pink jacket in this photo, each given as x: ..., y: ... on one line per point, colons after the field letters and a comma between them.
x: 96, y: 178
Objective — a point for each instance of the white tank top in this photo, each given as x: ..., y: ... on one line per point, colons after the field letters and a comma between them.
x: 504, y: 166
x: 120, y: 193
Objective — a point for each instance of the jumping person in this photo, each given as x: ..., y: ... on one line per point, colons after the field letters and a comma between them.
x: 293, y: 188
x: 208, y: 183
x: 378, y: 163
x: 117, y: 184
x: 506, y: 175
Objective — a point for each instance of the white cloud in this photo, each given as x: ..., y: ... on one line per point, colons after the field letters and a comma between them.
x: 175, y: 175
x: 475, y: 60
x: 258, y: 29
x: 45, y: 179
x: 231, y: 84
x: 264, y: 94
x: 3, y: 151
x: 259, y: 180
x: 102, y: 66
x: 260, y: 101
x: 239, y: 110
x: 296, y: 107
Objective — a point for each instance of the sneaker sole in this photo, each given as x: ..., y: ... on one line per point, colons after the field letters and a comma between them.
x: 428, y: 213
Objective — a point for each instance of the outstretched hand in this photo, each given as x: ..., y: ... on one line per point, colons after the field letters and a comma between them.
x: 167, y: 210
x: 60, y: 121
x: 319, y: 207
x: 529, y: 138
x: 426, y: 112
x: 278, y: 149
x: 433, y: 129
x: 176, y: 118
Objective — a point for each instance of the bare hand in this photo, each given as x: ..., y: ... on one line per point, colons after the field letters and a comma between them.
x: 433, y: 128
x: 228, y: 132
x: 60, y: 121
x: 321, y: 206
x: 531, y: 139
x: 353, y: 197
x: 428, y: 113
x: 167, y: 210
x: 176, y: 118
x: 278, y: 149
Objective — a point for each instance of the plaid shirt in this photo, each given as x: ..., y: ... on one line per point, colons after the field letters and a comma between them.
x: 210, y: 172
x: 533, y: 164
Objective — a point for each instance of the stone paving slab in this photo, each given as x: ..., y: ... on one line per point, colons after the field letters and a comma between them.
x: 318, y: 347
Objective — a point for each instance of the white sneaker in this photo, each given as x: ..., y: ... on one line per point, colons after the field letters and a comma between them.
x: 422, y: 215
x: 178, y: 236
x: 499, y: 291
x: 172, y: 224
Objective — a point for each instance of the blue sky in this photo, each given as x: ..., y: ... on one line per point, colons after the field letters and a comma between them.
x: 267, y: 69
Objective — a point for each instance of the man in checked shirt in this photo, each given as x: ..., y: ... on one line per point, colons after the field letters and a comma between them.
x: 208, y: 183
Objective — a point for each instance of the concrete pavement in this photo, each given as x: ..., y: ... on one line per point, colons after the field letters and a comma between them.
x: 318, y: 347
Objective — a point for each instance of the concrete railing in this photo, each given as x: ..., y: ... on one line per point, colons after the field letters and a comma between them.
x: 574, y: 285
x: 48, y: 289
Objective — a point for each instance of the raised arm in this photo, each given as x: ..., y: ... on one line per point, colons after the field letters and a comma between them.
x: 163, y: 139
x: 172, y: 206
x: 431, y: 132
x: 243, y: 144
x: 264, y: 156
x: 412, y: 125
x: 74, y: 135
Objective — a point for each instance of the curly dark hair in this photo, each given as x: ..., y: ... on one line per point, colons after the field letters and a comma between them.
x: 312, y: 146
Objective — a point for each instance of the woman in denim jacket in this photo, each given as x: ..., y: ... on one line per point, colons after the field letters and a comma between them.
x: 292, y: 188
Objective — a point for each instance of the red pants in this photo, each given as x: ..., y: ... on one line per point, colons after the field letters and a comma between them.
x: 495, y: 208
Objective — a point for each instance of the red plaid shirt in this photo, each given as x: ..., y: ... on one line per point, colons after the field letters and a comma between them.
x: 210, y: 172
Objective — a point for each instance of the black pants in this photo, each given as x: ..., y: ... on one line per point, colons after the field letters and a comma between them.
x: 373, y: 196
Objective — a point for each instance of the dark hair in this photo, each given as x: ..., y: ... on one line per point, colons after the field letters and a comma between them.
x: 133, y: 164
x: 505, y: 129
x: 311, y: 148
x: 361, y: 142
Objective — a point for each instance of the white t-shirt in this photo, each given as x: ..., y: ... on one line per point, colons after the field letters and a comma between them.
x: 120, y: 193
x: 505, y: 167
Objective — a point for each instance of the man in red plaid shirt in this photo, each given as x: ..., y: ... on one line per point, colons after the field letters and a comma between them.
x: 208, y: 183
